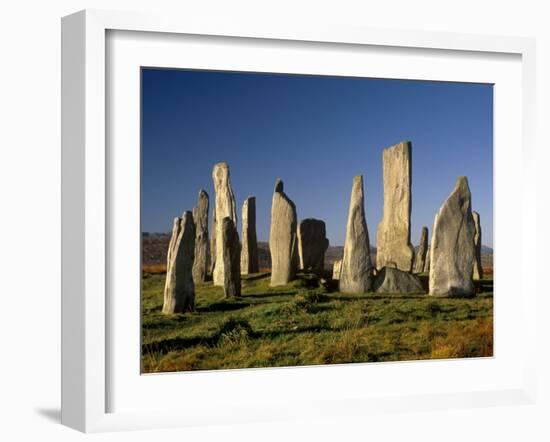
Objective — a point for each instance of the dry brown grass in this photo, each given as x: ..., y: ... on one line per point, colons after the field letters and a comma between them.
x: 475, y: 339
x: 153, y: 269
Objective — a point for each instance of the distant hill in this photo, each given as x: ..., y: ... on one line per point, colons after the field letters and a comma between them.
x: 154, y: 246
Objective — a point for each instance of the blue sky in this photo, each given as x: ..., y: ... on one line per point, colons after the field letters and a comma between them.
x: 316, y: 133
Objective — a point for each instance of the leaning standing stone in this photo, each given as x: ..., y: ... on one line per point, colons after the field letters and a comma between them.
x: 312, y: 245
x: 393, y: 241
x: 427, y: 264
x: 452, y: 254
x: 249, y: 252
x: 356, y: 274
x: 420, y: 257
x: 231, y: 258
x: 225, y: 206
x: 202, y: 246
x: 282, y: 237
x: 478, y: 270
x: 179, y: 289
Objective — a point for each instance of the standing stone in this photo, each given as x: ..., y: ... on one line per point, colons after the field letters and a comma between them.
x: 393, y: 241
x: 213, y: 241
x: 427, y: 263
x: 452, y: 254
x: 202, y: 246
x: 225, y: 206
x: 249, y: 252
x: 390, y: 280
x: 478, y: 270
x: 356, y: 274
x: 179, y: 289
x: 312, y: 245
x: 231, y: 258
x: 282, y: 237
x: 420, y: 257
x: 336, y: 269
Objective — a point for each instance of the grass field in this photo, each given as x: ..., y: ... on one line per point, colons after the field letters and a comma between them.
x: 306, y: 323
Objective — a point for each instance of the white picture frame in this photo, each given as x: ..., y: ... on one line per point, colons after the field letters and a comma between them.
x: 86, y: 207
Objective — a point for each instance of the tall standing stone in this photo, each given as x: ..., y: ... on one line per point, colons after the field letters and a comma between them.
x: 356, y: 273
x: 225, y: 207
x: 282, y: 237
x: 231, y: 258
x: 452, y: 254
x: 213, y: 241
x: 478, y: 269
x: 420, y: 256
x: 312, y: 245
x: 202, y: 246
x: 179, y: 289
x: 393, y: 241
x: 249, y: 253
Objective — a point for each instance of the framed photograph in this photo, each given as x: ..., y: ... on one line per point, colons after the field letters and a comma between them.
x: 275, y: 222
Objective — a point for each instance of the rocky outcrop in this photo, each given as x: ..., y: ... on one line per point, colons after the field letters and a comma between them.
x: 356, y: 274
x: 231, y: 258
x: 282, y: 237
x: 312, y: 245
x: 478, y: 269
x: 225, y: 207
x: 393, y: 240
x: 452, y: 253
x: 390, y: 280
x: 249, y: 251
x: 179, y: 289
x: 202, y: 246
x: 420, y: 256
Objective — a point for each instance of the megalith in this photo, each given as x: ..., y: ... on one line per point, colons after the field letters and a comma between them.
x: 356, y: 275
x: 225, y: 207
x: 179, y: 289
x: 249, y: 253
x: 312, y: 245
x: 336, y: 269
x: 393, y: 240
x: 478, y: 269
x: 452, y: 253
x: 427, y: 263
x: 420, y: 256
x: 391, y: 280
x: 231, y: 258
x: 282, y: 237
x: 201, y: 264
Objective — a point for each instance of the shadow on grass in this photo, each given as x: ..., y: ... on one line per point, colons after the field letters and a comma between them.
x: 222, y: 307
x: 268, y: 295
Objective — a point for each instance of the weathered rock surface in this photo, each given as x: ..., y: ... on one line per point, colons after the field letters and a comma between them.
x: 356, y: 274
x: 249, y: 252
x: 336, y: 269
x: 478, y: 270
x: 393, y: 240
x: 231, y: 258
x: 452, y: 254
x: 179, y: 289
x: 390, y: 280
x: 312, y: 245
x: 213, y: 241
x: 282, y: 237
x: 225, y: 207
x: 420, y: 256
x: 202, y: 245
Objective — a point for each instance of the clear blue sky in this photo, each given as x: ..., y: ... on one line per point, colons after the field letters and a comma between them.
x: 315, y: 133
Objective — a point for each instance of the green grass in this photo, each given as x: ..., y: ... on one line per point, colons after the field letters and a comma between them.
x: 304, y: 323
